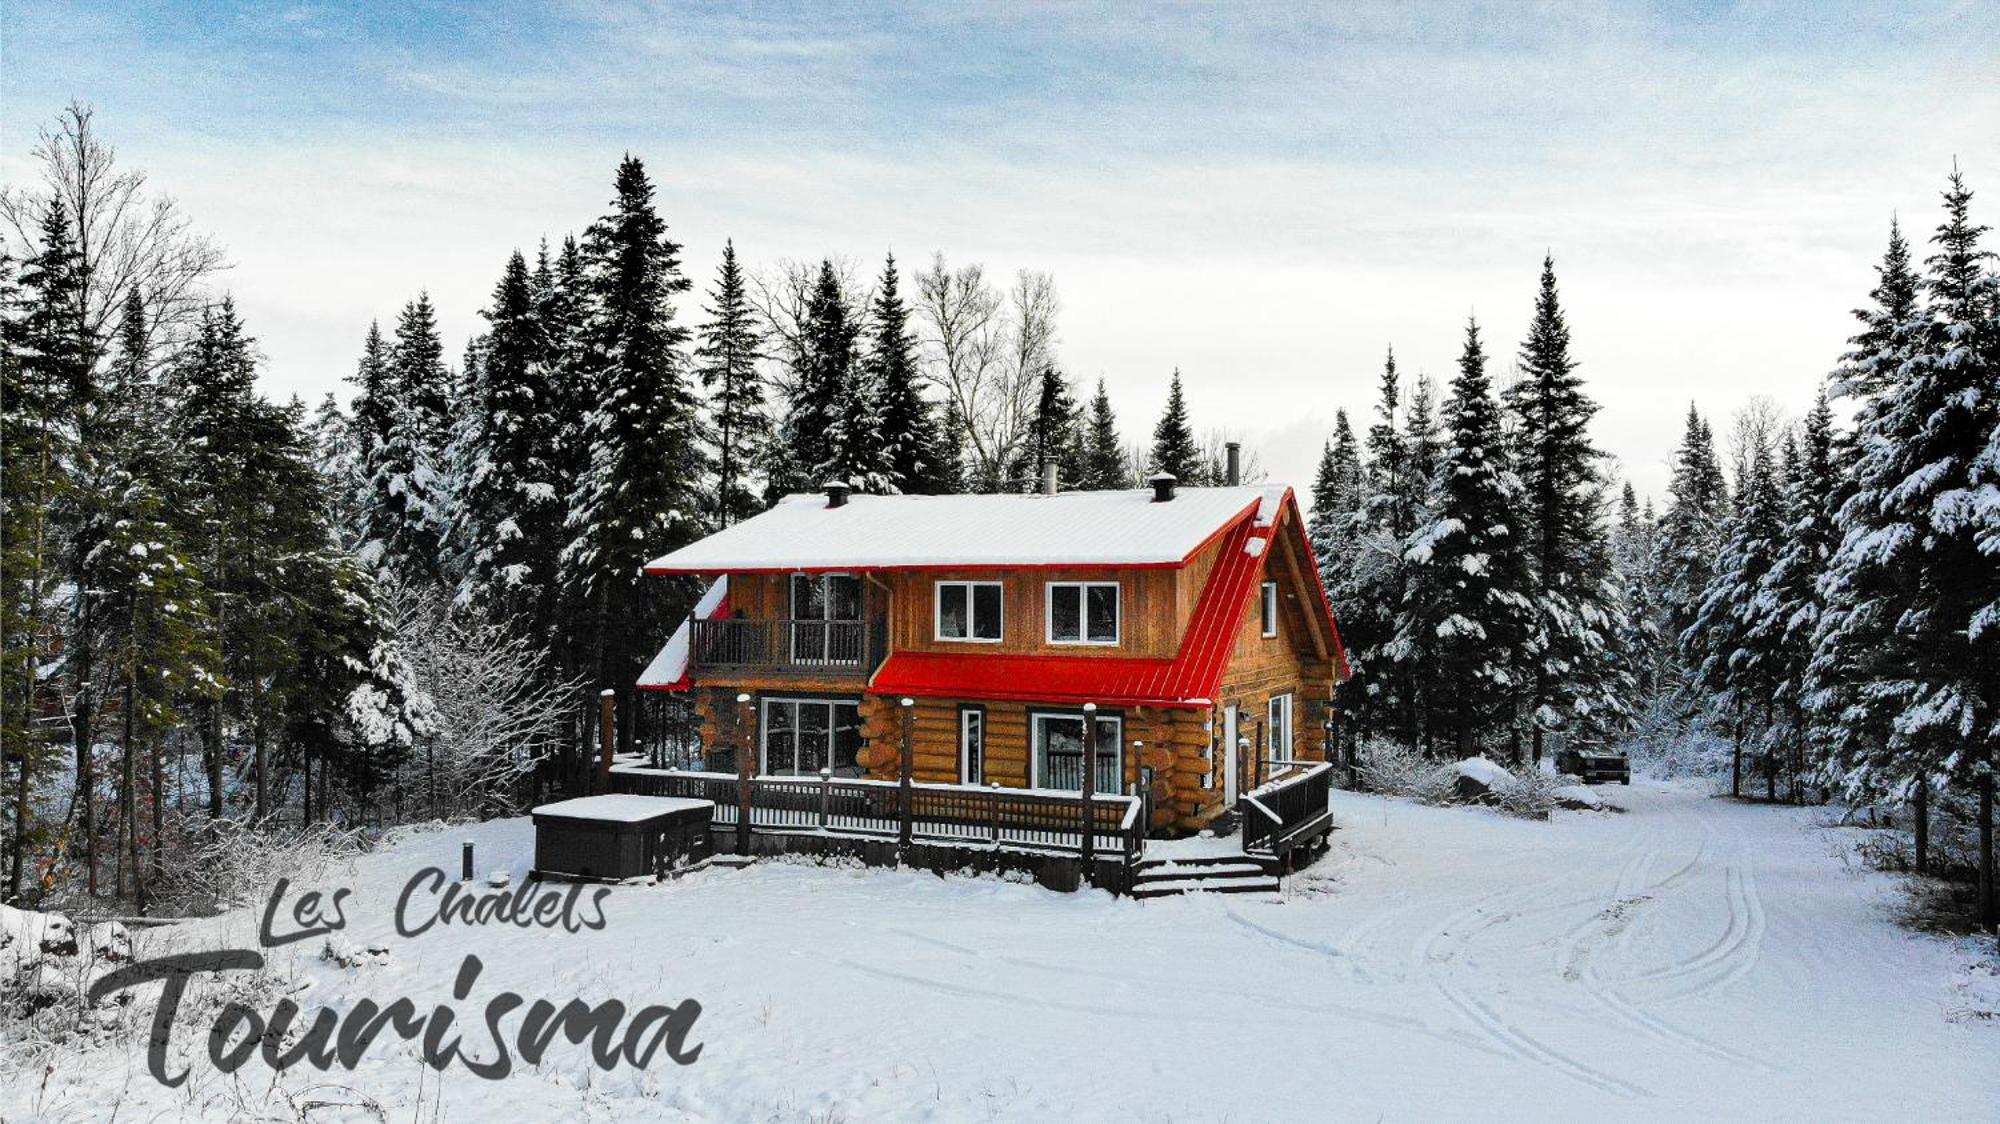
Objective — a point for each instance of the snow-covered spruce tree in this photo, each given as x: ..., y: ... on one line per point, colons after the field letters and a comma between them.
x: 1103, y: 451
x: 738, y: 430
x: 1731, y: 651
x: 1053, y: 436
x: 36, y: 351
x: 1692, y: 529
x: 1910, y: 592
x: 1376, y: 696
x: 952, y: 437
x: 1336, y: 501
x: 1578, y: 679
x: 830, y: 430
x: 562, y: 302
x: 1467, y: 612
x: 641, y: 495
x: 1174, y: 448
x: 1792, y: 608
x: 913, y: 451
x: 509, y: 524
x: 1632, y: 545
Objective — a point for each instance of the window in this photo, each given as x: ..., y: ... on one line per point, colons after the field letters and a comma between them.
x: 972, y: 745
x: 1281, y: 728
x: 1058, y: 757
x: 802, y: 736
x: 1083, y: 612
x: 969, y: 611
x: 1270, y: 608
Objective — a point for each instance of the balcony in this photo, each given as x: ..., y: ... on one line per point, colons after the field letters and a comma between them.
x: 796, y: 647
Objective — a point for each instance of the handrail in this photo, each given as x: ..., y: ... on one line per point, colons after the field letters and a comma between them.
x: 954, y: 814
x: 1259, y: 805
x: 1290, y: 808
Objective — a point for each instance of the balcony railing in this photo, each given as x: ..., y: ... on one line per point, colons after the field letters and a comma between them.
x: 789, y: 645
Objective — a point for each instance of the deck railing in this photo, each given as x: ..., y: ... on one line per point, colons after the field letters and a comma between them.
x: 800, y: 645
x: 1294, y: 805
x: 966, y: 815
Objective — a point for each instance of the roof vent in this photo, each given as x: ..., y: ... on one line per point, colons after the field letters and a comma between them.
x: 1233, y: 472
x: 1163, y: 486
x: 836, y: 492
x: 1051, y: 478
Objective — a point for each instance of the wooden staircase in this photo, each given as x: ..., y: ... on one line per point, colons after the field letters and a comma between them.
x: 1205, y: 874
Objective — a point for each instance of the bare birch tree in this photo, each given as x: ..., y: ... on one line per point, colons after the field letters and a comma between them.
x: 126, y: 237
x: 985, y: 350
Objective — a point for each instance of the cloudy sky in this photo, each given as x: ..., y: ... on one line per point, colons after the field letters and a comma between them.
x: 1264, y: 195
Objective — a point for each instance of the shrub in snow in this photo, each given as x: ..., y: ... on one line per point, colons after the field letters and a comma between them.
x: 1395, y: 769
x: 236, y: 864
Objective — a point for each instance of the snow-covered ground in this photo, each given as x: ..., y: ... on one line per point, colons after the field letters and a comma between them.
x: 1692, y: 957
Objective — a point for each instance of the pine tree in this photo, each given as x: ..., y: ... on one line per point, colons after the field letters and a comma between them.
x: 1691, y: 531
x: 739, y: 433
x: 912, y: 451
x: 1388, y: 458
x: 1337, y: 496
x: 640, y: 496
x: 1054, y: 436
x: 829, y: 431
x: 1906, y: 666
x: 1792, y: 607
x: 1578, y: 612
x: 510, y: 521
x: 1467, y: 611
x: 1103, y: 451
x: 1731, y: 653
x: 37, y: 315
x: 1174, y: 448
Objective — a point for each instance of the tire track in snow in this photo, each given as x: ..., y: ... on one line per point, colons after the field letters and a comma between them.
x: 1731, y: 955
x: 1628, y: 902
x: 1377, y: 1018
x: 1440, y: 951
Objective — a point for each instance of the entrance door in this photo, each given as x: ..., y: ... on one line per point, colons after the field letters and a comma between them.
x: 1229, y: 765
x: 820, y: 602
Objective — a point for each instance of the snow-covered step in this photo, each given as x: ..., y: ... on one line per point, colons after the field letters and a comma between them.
x: 1220, y: 874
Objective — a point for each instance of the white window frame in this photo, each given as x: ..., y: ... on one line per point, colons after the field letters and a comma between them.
x: 1083, y: 613
x: 1035, y: 753
x: 1278, y: 715
x: 971, y: 625
x: 969, y: 718
x: 1268, y: 606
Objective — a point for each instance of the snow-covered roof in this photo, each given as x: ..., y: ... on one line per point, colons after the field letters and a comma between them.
x: 1121, y: 528
x: 669, y: 669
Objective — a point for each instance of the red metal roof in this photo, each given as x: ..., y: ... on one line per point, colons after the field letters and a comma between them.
x: 1189, y: 680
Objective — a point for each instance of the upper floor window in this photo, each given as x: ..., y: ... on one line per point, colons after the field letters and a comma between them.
x: 1270, y: 608
x: 1083, y: 612
x: 969, y: 611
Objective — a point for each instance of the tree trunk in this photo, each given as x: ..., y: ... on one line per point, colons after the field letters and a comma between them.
x: 1736, y: 761
x: 211, y: 745
x: 86, y: 772
x: 1989, y: 909
x: 1922, y: 811
x: 128, y: 805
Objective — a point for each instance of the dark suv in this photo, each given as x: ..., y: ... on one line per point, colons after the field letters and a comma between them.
x: 1594, y: 764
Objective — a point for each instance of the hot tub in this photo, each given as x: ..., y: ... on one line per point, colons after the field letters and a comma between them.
x: 619, y: 836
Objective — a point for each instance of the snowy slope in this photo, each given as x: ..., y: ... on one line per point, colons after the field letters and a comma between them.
x: 1689, y: 958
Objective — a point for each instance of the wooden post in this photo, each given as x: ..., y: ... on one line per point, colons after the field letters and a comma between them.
x: 465, y: 861
x: 746, y: 775
x: 993, y: 812
x: 1089, y: 847
x: 607, y: 735
x: 825, y: 793
x: 905, y: 769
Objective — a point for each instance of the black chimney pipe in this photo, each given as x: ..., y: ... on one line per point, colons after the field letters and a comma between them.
x: 836, y: 492
x: 1163, y: 486
x: 1233, y: 455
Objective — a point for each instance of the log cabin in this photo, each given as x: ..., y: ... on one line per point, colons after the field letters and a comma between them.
x: 1191, y: 623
